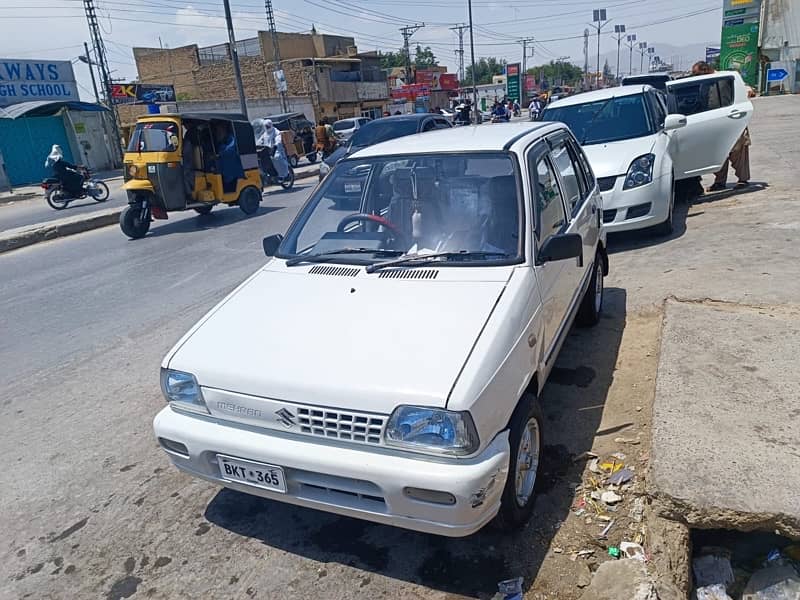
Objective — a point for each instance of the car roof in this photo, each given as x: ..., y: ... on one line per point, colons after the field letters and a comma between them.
x: 476, y: 138
x: 597, y: 95
x: 648, y: 77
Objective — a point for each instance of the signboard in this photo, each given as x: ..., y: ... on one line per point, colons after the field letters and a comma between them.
x: 712, y: 54
x: 775, y: 75
x: 280, y: 81
x: 27, y: 80
x: 411, y: 91
x: 513, y: 81
x: 448, y: 81
x: 739, y: 51
x: 744, y: 11
x: 141, y: 93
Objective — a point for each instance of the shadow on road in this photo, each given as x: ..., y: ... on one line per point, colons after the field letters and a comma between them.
x: 573, y: 403
x: 731, y: 192
x: 643, y: 238
x: 219, y: 217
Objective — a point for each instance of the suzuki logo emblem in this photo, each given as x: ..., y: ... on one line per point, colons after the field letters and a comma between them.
x: 285, y: 417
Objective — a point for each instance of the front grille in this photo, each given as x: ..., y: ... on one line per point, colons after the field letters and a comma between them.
x: 335, y: 271
x: 606, y: 183
x: 409, y: 274
x: 353, y: 427
x: 609, y: 215
x: 639, y: 210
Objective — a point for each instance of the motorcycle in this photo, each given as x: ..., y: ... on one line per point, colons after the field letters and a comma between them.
x: 58, y: 198
x: 269, y: 176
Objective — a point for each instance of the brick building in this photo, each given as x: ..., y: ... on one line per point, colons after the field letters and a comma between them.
x: 327, y: 69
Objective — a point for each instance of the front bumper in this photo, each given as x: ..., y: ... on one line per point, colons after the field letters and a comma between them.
x: 624, y: 210
x: 360, y: 482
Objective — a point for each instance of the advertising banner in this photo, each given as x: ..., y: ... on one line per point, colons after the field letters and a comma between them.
x: 448, y: 81
x: 411, y: 91
x: 739, y: 51
x: 142, y: 93
x: 27, y: 80
x: 513, y: 81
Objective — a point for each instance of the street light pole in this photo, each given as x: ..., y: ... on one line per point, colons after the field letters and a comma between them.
x: 599, y: 17
x: 472, y: 61
x: 630, y: 42
x: 619, y: 30
x: 642, y: 52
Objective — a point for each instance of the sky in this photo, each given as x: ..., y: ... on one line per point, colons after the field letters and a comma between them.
x: 46, y: 29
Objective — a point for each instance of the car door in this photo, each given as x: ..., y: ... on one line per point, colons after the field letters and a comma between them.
x: 717, y: 111
x: 581, y: 210
x: 549, y: 218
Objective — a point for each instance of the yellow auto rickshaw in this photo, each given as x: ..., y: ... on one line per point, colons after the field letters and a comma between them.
x: 188, y: 161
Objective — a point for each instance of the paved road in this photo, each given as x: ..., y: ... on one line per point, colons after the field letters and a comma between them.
x: 36, y: 210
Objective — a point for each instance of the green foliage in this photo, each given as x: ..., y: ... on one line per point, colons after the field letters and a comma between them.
x: 485, y: 69
x: 425, y: 58
x: 555, y: 72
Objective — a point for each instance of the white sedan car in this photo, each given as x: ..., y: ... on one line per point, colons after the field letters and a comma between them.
x: 638, y: 151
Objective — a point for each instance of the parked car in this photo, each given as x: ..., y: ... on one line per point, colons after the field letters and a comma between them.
x: 345, y: 128
x: 393, y: 371
x: 638, y: 150
x: 348, y: 189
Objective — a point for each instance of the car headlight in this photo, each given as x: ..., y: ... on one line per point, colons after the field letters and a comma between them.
x: 432, y: 430
x: 324, y: 169
x: 640, y: 172
x: 182, y: 391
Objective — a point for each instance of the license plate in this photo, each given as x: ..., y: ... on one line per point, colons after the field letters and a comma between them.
x: 268, y: 477
x: 352, y: 188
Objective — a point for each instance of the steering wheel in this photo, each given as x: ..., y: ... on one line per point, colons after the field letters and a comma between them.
x: 399, y: 235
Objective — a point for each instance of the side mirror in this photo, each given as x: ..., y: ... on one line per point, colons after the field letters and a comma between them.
x: 271, y: 243
x: 673, y: 122
x: 560, y: 247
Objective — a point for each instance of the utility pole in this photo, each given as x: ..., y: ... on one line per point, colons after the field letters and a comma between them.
x: 280, y: 80
x: 460, y: 29
x: 237, y: 72
x: 585, y: 58
x: 619, y: 30
x: 630, y: 43
x: 472, y: 61
x: 407, y: 32
x: 105, y: 76
x: 642, y: 52
x: 559, y: 65
x: 524, y: 74
x: 599, y: 17
x: 87, y: 58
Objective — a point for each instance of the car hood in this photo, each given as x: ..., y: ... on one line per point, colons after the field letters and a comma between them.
x: 614, y: 158
x: 362, y: 343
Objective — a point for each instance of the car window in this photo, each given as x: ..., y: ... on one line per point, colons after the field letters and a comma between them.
x: 701, y: 96
x: 344, y: 125
x: 569, y: 175
x: 429, y: 125
x: 658, y: 113
x: 442, y: 124
x: 548, y: 203
x: 382, y: 130
x: 588, y: 175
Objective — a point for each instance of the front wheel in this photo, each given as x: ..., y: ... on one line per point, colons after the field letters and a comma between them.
x: 99, y: 191
x: 56, y: 198
x: 525, y: 441
x: 135, y: 222
x: 312, y: 157
x: 592, y: 303
x: 294, y: 161
x: 249, y: 200
x: 288, y: 181
x: 668, y: 226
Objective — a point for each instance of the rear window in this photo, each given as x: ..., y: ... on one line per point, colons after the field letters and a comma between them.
x: 344, y: 125
x: 382, y: 130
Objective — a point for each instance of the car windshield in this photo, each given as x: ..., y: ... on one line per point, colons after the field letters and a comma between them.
x: 467, y: 204
x: 382, y: 130
x: 343, y: 125
x: 607, y: 120
x: 159, y: 136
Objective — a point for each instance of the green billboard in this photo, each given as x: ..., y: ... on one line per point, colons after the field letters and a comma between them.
x: 513, y: 81
x: 739, y: 51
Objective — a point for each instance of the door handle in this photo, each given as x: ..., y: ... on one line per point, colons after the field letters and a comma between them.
x: 737, y: 114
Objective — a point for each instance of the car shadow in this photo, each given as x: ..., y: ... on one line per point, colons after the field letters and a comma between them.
x: 573, y: 402
x: 730, y: 192
x: 643, y: 238
x: 219, y: 217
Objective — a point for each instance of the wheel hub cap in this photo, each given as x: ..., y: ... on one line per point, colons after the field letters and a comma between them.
x: 527, y: 462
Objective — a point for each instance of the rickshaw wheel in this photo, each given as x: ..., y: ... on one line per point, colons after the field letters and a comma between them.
x: 249, y: 200
x: 203, y: 210
x: 312, y: 157
x: 132, y: 224
x: 294, y: 161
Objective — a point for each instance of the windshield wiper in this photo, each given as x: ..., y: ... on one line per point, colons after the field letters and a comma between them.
x: 422, y: 259
x: 593, y: 119
x: 323, y: 256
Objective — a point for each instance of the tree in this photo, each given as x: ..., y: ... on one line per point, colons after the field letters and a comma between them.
x: 607, y: 74
x: 557, y: 73
x: 485, y: 69
x: 390, y: 60
x: 424, y: 58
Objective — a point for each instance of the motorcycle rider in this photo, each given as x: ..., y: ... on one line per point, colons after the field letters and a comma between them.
x: 271, y: 138
x: 535, y: 108
x: 67, y: 173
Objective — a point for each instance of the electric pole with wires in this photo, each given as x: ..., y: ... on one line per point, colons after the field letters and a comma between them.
x: 524, y: 75
x: 407, y: 32
x: 280, y: 78
x: 105, y: 77
x: 460, y: 29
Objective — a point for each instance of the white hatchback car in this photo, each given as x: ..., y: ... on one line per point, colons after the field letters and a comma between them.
x: 345, y: 128
x: 385, y: 364
x: 638, y: 151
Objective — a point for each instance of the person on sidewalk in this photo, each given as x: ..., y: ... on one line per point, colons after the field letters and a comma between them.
x: 67, y: 173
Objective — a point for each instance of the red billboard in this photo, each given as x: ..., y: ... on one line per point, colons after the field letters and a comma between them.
x: 448, y: 81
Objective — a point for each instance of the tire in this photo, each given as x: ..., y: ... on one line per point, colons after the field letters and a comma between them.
x: 294, y: 161
x: 289, y: 181
x: 56, y: 198
x: 249, y: 200
x: 100, y: 192
x: 132, y: 224
x: 668, y: 226
x: 203, y: 210
x: 312, y: 157
x: 592, y: 303
x: 515, y: 510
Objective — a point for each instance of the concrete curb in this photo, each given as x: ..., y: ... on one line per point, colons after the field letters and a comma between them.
x: 43, y: 232
x: 18, y: 197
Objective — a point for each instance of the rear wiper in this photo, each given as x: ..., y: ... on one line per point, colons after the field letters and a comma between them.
x: 323, y: 256
x: 422, y: 259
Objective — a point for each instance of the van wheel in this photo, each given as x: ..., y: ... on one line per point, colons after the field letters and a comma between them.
x: 132, y: 223
x: 592, y: 303
x: 249, y: 200
x: 525, y: 441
